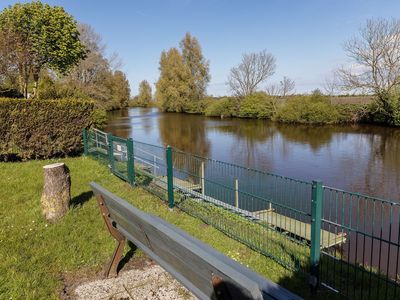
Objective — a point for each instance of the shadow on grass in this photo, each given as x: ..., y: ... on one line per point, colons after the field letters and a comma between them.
x: 127, y: 257
x: 81, y: 199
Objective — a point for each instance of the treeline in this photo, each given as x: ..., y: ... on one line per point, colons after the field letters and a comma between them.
x: 45, y: 54
x: 184, y: 75
x: 305, y: 109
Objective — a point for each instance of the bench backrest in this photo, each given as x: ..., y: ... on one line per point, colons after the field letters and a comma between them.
x: 207, y: 273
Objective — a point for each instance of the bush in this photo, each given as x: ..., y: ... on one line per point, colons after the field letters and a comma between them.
x: 225, y: 107
x: 352, y: 113
x: 199, y: 107
x: 315, y: 109
x: 386, y: 109
x: 258, y: 105
x: 43, y: 128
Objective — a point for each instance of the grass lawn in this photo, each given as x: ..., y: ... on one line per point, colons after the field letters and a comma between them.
x: 35, y: 255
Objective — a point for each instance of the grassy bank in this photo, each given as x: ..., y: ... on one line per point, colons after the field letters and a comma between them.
x: 35, y: 255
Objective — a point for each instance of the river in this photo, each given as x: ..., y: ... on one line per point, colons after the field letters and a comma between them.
x: 359, y: 158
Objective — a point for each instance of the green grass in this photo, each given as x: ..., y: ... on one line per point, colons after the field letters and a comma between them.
x: 34, y: 255
x: 261, y: 236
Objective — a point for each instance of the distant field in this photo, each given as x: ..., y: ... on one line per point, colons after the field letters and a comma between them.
x: 352, y: 100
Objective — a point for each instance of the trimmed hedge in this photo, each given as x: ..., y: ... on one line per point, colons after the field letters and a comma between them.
x: 42, y: 128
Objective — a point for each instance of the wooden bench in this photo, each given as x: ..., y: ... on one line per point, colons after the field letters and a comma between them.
x: 207, y: 273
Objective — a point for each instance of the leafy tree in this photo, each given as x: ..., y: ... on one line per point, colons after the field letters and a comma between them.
x: 93, y: 78
x: 120, y: 89
x: 173, y: 87
x: 39, y: 36
x: 145, y: 94
x: 183, y: 77
x: 198, y: 67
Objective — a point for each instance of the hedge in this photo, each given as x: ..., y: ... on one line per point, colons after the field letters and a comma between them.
x: 32, y: 129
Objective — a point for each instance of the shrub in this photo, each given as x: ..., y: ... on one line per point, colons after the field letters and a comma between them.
x: 258, y: 105
x: 386, y: 109
x: 314, y: 109
x: 43, y: 128
x: 199, y: 107
x: 225, y: 107
x: 352, y: 113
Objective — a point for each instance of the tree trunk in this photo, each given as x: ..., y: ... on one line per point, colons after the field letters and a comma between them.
x: 35, y: 85
x: 56, y: 191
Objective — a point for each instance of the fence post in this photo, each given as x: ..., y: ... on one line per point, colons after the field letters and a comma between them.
x: 131, y: 161
x: 85, y: 141
x: 170, y: 177
x: 203, y: 184
x: 315, y: 251
x: 110, y: 151
x: 237, y: 193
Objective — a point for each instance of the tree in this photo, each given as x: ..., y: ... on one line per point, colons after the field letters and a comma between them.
x: 376, y: 57
x: 183, y: 77
x: 173, y: 87
x: 254, y: 69
x: 40, y: 36
x: 375, y: 53
x: 120, y: 89
x: 283, y: 89
x: 198, y: 67
x: 145, y: 94
x: 95, y: 62
x: 93, y: 78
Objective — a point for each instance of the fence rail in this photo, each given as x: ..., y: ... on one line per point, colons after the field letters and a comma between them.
x: 347, y: 242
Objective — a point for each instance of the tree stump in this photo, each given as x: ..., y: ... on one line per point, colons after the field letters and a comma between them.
x: 56, y: 191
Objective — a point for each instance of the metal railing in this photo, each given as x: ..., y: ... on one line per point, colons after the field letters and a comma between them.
x: 346, y: 242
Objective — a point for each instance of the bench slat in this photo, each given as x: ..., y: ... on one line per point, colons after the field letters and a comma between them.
x: 189, y: 260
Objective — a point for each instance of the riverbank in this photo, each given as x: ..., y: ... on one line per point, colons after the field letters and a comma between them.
x: 315, y: 109
x: 37, y: 257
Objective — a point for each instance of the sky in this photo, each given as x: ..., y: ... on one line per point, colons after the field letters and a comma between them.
x: 306, y: 37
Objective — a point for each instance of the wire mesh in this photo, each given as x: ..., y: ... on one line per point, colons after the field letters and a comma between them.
x: 366, y: 233
x: 360, y: 235
x: 267, y: 212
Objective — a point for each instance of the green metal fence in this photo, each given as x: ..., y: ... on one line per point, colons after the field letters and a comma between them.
x: 346, y: 242
x: 368, y: 256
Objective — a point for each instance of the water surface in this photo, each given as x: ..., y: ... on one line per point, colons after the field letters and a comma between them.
x: 359, y: 158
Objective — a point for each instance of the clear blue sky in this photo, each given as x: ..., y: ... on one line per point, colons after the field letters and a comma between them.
x: 306, y: 37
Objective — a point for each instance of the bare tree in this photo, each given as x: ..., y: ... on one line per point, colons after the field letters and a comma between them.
x: 331, y: 85
x: 95, y: 63
x: 254, y: 69
x: 283, y: 89
x: 287, y: 86
x: 376, y: 57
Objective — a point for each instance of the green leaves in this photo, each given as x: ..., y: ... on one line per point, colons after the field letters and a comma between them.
x: 145, y: 96
x: 44, y: 128
x: 38, y: 35
x: 183, y: 76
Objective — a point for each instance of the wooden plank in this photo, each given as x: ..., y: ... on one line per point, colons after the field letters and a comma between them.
x: 290, y: 225
x: 178, y: 183
x: 299, y: 228
x: 143, y: 167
